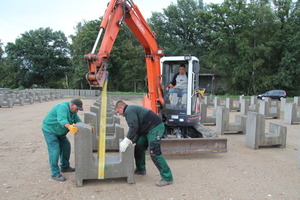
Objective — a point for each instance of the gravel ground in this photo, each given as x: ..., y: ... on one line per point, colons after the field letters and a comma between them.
x: 240, y: 174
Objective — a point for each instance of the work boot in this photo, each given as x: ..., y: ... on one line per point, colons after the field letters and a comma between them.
x: 140, y: 171
x: 68, y: 169
x: 163, y: 182
x: 60, y: 178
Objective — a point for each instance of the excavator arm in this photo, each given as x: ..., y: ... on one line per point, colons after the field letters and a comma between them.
x: 117, y: 12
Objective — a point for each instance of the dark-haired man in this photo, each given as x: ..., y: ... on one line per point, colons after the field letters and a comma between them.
x: 145, y: 129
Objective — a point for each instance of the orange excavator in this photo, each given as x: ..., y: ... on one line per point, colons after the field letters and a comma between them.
x: 180, y: 112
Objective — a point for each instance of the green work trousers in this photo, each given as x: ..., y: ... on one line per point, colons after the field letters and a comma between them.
x: 152, y: 140
x: 59, y: 147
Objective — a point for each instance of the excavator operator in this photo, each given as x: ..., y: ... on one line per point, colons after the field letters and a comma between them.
x: 179, y: 81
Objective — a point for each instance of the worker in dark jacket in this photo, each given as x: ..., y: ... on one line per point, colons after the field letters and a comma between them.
x: 61, y: 119
x: 145, y: 129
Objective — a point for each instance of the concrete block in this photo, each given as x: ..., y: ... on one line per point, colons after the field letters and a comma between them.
x: 222, y: 122
x: 291, y: 114
x: 6, y: 102
x: 245, y: 103
x: 112, y: 129
x: 19, y: 101
x: 112, y: 141
x: 205, y: 119
x: 30, y: 100
x: 254, y: 105
x: 38, y: 97
x: 297, y: 101
x: 217, y: 102
x: 299, y: 157
x: 283, y: 102
x: 91, y: 118
x: 13, y: 96
x: 253, y: 100
x: 232, y: 104
x: 208, y: 101
x: 45, y: 98
x: 86, y: 164
x: 256, y: 135
x: 269, y: 111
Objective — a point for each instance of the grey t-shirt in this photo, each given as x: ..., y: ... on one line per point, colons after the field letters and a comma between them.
x: 181, y: 82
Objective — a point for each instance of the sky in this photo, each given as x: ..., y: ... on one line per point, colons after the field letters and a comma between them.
x: 17, y: 16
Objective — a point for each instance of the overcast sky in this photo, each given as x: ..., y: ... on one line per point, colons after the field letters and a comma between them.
x: 17, y: 16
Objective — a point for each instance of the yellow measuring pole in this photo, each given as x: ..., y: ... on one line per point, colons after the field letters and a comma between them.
x: 102, y: 133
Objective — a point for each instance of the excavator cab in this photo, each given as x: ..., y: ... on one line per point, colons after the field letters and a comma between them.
x: 182, y: 106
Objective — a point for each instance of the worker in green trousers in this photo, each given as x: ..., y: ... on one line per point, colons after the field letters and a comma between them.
x: 146, y: 130
x: 61, y: 119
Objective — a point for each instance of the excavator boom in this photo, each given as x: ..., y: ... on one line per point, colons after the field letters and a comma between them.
x: 119, y: 11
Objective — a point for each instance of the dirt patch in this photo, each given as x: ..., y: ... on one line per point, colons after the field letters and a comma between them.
x: 240, y: 174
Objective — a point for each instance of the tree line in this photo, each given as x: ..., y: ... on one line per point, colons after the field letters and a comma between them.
x: 254, y: 46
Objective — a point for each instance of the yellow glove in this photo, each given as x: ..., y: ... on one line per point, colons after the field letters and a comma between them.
x: 73, y: 129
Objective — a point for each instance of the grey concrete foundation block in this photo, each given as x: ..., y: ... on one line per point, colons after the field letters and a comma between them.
x: 232, y: 104
x: 245, y: 103
x: 299, y: 156
x: 290, y: 114
x: 222, y: 119
x: 91, y: 117
x: 98, y: 104
x: 297, y: 101
x: 112, y: 130
x: 256, y: 136
x: 112, y: 141
x: 208, y: 101
x: 269, y: 111
x: 217, y: 102
x: 20, y: 101
x: 8, y: 102
x: 222, y: 122
x: 283, y: 102
x: 86, y: 164
x: 204, y: 118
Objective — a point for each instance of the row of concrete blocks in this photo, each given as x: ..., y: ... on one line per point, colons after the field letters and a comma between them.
x: 230, y: 103
x: 271, y: 110
x: 253, y: 125
x: 264, y: 109
x: 253, y: 104
x: 268, y: 108
x: 9, y: 99
x: 119, y: 165
x: 70, y: 92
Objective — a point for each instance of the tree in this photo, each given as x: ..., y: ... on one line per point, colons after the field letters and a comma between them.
x: 40, y: 57
x: 2, y: 67
x: 289, y: 71
x: 82, y: 44
x: 127, y: 65
x: 178, y: 32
